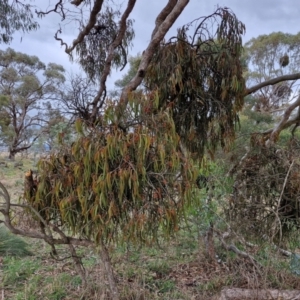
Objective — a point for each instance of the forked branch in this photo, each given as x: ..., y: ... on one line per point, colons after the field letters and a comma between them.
x: 86, y: 30
x: 164, y: 21
x: 110, y: 56
x: 286, y: 120
x: 5, y: 209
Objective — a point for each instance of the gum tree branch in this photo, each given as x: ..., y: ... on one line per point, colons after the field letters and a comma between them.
x: 272, y: 81
x: 110, y: 56
x: 86, y: 30
x: 285, y: 121
x: 167, y: 17
x: 163, y: 14
x: 5, y: 209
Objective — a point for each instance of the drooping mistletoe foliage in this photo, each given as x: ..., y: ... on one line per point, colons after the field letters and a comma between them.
x: 199, y: 79
x: 131, y: 179
x: 113, y: 183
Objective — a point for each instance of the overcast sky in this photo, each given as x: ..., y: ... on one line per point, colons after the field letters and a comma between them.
x: 259, y: 16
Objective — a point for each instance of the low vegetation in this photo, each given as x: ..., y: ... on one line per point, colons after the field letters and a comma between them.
x: 177, y: 268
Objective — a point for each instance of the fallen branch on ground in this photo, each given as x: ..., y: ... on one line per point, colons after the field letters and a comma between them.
x: 249, y: 294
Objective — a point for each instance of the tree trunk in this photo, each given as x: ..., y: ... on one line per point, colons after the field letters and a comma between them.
x: 11, y: 155
x: 109, y: 272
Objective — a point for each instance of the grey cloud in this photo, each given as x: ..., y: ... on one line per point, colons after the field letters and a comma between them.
x: 259, y: 16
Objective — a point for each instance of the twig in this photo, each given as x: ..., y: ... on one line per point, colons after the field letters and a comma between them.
x: 280, y: 198
x: 241, y: 253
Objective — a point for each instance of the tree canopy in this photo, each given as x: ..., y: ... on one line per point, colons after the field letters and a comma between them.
x: 22, y: 91
x: 15, y: 16
x: 129, y: 173
x: 270, y: 56
x: 200, y: 77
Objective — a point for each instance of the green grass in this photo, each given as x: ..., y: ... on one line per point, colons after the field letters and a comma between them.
x: 11, y: 244
x: 18, y: 270
x: 142, y: 273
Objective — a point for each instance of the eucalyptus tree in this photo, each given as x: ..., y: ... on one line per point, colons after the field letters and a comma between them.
x: 134, y: 62
x: 25, y: 83
x: 56, y: 125
x: 15, y: 15
x: 269, y: 56
x: 131, y: 173
x: 128, y: 176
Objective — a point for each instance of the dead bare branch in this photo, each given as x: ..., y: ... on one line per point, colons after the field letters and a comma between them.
x: 238, y: 164
x: 58, y: 6
x: 77, y: 259
x: 251, y: 294
x: 62, y: 43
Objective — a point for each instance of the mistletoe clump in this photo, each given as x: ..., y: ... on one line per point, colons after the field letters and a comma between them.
x: 114, y: 182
